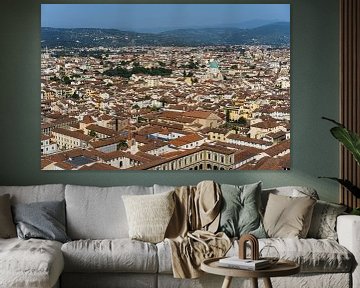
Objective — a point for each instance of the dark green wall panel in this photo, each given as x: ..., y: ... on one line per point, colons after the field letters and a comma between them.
x: 314, y: 92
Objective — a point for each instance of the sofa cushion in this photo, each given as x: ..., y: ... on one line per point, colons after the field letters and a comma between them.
x: 43, y: 220
x: 149, y: 215
x: 98, y: 213
x: 313, y: 255
x: 117, y: 255
x: 7, y: 226
x: 323, y: 222
x: 34, y: 193
x: 291, y: 191
x: 30, y: 263
x: 240, y: 210
x: 287, y: 216
x: 163, y: 188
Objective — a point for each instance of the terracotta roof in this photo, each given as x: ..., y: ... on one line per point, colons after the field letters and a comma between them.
x: 265, y: 125
x: 101, y: 130
x: 198, y: 114
x: 152, y: 146
x: 187, y: 139
x: 245, y: 154
x: 88, y: 119
x: 99, y: 166
x: 107, y: 141
x: 276, y: 135
x: 64, y: 165
x: 73, y: 134
x: 217, y: 148
x: 45, y: 137
x: 45, y: 162
x: 268, y: 163
x: 278, y: 148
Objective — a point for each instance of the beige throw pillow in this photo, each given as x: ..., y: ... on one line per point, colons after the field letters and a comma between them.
x: 7, y: 226
x: 288, y: 217
x: 148, y: 215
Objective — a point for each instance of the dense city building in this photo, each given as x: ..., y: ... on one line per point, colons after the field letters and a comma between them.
x: 165, y: 108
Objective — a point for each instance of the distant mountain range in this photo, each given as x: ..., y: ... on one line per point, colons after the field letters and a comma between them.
x: 276, y: 34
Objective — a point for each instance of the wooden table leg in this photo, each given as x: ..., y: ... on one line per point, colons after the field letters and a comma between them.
x: 254, y: 282
x: 267, y: 283
x: 227, y: 282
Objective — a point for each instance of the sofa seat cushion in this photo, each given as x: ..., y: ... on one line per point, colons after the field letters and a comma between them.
x: 110, y: 255
x: 30, y: 263
x: 313, y: 255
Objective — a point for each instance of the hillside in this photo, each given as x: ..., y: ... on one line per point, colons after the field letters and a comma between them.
x: 277, y: 34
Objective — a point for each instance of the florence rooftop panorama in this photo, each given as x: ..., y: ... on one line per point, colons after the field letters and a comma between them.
x: 120, y: 100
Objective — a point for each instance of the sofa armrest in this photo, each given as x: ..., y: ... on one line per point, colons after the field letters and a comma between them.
x: 348, y: 230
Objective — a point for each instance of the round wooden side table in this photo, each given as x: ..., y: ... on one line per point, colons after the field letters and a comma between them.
x: 281, y: 268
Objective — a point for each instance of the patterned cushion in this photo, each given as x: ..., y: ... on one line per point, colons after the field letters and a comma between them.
x: 149, y: 215
x: 323, y: 223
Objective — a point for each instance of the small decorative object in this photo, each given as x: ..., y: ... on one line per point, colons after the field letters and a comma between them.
x: 270, y: 253
x: 254, y: 246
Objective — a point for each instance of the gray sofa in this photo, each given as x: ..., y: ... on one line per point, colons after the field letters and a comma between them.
x: 101, y: 254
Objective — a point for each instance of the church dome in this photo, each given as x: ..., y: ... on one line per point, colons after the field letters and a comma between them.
x: 213, y: 64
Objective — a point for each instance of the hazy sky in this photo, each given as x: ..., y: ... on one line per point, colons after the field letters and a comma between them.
x: 144, y: 17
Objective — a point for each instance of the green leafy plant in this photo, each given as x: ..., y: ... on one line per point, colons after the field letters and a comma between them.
x: 351, y: 141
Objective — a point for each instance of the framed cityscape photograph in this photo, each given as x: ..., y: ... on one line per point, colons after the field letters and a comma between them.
x: 165, y: 87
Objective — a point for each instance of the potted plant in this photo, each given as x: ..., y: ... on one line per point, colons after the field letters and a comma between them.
x: 351, y: 141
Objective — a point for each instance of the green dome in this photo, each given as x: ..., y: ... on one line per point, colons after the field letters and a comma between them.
x: 214, y: 64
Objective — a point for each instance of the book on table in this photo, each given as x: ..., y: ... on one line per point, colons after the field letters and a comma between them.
x: 249, y: 264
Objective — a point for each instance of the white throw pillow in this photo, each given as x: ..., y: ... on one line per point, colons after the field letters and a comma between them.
x: 149, y: 215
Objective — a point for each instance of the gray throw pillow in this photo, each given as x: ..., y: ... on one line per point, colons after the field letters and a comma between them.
x: 323, y: 222
x: 7, y: 227
x: 43, y: 220
x: 240, y: 213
